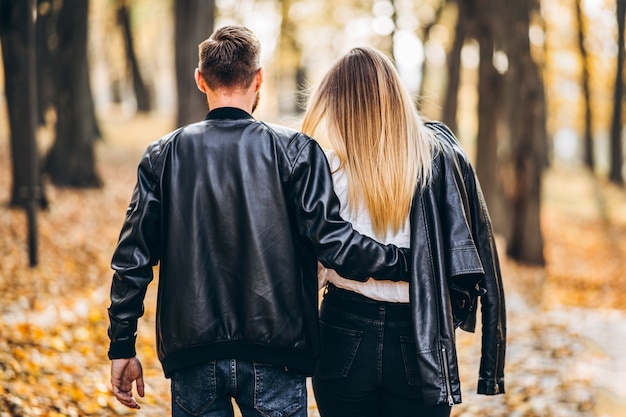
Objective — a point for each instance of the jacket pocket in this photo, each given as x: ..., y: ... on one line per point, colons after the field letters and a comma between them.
x: 465, y: 260
x: 409, y: 358
x: 339, y: 347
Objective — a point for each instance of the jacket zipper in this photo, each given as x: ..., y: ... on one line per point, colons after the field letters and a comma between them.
x: 447, y: 375
x: 497, y: 386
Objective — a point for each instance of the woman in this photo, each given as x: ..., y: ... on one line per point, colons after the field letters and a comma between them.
x: 387, y: 348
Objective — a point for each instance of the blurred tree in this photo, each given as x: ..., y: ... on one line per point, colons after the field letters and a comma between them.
x: 526, y: 134
x: 71, y: 159
x: 425, y: 35
x: 47, y: 43
x: 394, y: 28
x: 14, y: 38
x: 142, y: 94
x: 617, y: 159
x: 465, y: 17
x: 478, y: 19
x: 194, y: 22
x: 589, y: 156
x: 490, y: 100
x: 290, y: 72
x: 19, y: 40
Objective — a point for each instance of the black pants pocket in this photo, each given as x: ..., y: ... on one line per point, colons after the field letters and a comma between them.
x: 339, y: 347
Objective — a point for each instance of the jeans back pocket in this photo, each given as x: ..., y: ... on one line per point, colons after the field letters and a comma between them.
x: 339, y: 347
x: 278, y: 392
x: 194, y: 388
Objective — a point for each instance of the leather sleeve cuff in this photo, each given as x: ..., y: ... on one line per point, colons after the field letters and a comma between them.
x: 406, y: 255
x: 122, y: 350
x: 490, y: 386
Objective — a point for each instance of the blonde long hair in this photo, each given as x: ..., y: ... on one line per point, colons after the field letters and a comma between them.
x: 363, y: 111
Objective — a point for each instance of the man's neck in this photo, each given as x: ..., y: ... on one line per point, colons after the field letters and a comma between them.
x: 230, y: 99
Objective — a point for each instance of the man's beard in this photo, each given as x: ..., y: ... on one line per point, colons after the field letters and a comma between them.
x: 256, y: 101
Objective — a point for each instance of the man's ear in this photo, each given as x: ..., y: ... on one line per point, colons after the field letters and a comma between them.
x: 258, y: 79
x: 200, y: 81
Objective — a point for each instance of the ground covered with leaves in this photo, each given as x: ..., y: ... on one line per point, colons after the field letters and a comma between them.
x: 53, y: 317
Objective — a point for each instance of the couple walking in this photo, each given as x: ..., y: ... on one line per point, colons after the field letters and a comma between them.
x: 248, y: 220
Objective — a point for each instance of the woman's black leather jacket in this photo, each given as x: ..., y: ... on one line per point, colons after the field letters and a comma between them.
x: 454, y: 264
x: 237, y: 212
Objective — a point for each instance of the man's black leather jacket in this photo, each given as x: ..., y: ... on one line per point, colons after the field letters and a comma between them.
x: 237, y: 212
x: 454, y: 263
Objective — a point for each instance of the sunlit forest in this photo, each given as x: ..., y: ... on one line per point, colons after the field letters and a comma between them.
x: 533, y: 89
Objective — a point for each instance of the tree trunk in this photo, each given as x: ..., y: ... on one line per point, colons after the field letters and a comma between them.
x: 450, y: 105
x: 527, y: 137
x: 290, y: 73
x: 17, y: 58
x: 589, y: 155
x: 194, y: 20
x: 18, y: 39
x: 142, y: 94
x: 392, y: 35
x: 47, y: 46
x: 424, y: 38
x: 490, y: 101
x: 617, y: 159
x: 71, y: 160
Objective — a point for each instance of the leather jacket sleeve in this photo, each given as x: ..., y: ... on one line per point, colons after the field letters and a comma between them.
x: 336, y: 243
x: 137, y: 252
x: 493, y: 313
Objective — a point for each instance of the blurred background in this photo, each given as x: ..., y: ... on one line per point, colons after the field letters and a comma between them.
x: 532, y: 88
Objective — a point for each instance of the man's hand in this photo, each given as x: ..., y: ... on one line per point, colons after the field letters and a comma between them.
x: 123, y: 373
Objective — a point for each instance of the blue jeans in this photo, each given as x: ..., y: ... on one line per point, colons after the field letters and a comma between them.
x: 260, y: 390
x: 367, y: 366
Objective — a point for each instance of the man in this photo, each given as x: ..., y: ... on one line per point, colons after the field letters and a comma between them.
x: 237, y: 212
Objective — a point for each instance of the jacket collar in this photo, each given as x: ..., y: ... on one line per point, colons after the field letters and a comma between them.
x: 228, y: 113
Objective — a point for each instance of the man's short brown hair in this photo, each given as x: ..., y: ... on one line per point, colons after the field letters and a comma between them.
x: 230, y: 58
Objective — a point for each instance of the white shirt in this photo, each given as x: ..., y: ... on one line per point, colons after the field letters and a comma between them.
x: 380, y: 290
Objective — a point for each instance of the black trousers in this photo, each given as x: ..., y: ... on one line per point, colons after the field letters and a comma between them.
x: 367, y: 366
